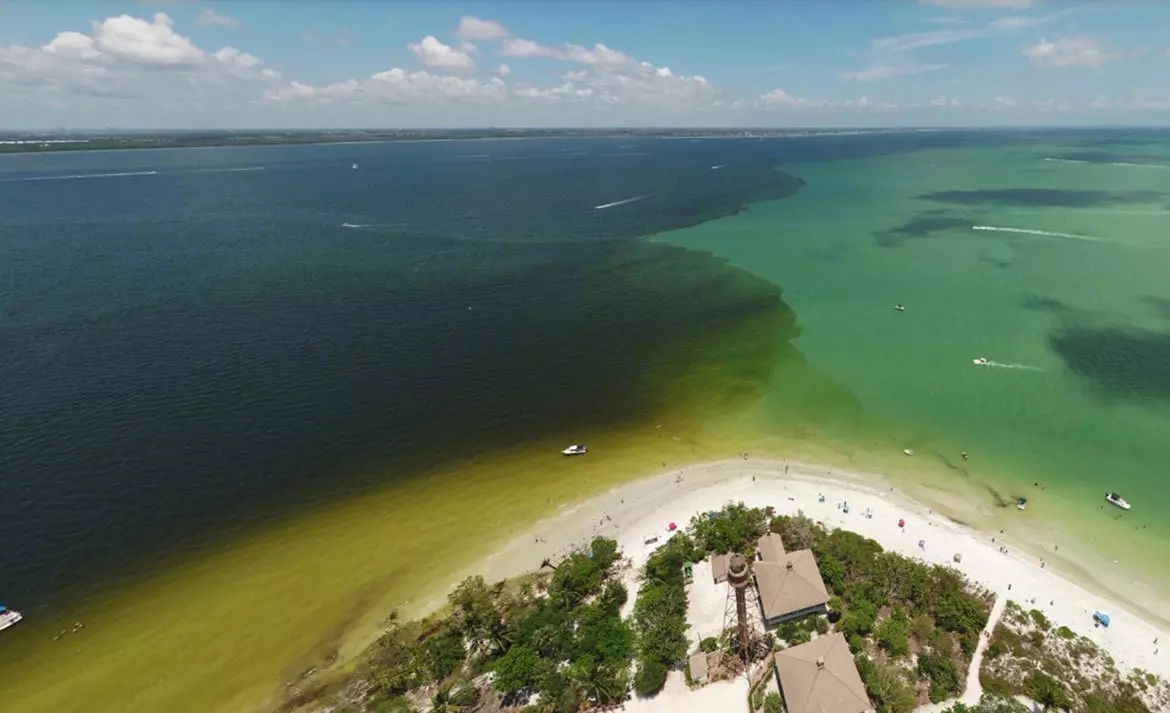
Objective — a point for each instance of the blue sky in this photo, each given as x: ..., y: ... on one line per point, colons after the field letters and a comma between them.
x: 197, y: 63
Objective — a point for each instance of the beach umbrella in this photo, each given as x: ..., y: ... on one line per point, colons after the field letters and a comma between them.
x: 1101, y: 617
x: 672, y: 527
x: 901, y: 522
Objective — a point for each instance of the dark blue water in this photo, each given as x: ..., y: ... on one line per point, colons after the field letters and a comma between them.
x: 191, y: 350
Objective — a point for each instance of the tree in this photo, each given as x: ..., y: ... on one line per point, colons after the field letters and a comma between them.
x: 894, y: 635
x: 475, y: 609
x: 732, y: 529
x: 650, y: 677
x: 517, y: 670
x: 444, y: 653
x: 454, y: 699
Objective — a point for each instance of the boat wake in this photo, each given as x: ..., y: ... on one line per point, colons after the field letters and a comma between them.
x: 718, y: 166
x: 226, y: 170
x: 1043, y: 233
x: 1065, y: 160
x: 624, y: 201
x: 78, y: 176
x: 1021, y: 367
x: 356, y: 225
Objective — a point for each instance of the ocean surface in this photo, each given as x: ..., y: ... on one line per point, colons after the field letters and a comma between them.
x: 257, y: 397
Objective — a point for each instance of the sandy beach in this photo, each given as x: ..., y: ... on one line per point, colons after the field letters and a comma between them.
x: 644, y: 509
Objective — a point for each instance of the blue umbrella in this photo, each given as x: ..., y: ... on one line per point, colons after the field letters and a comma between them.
x: 1101, y: 617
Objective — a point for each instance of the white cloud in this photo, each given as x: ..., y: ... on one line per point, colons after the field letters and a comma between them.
x: 433, y: 53
x: 1001, y: 104
x: 980, y: 3
x: 469, y: 48
x: 916, y: 40
x: 211, y: 17
x: 504, y: 70
x: 1051, y: 105
x: 886, y: 71
x: 473, y: 28
x: 72, y: 45
x: 1017, y: 22
x: 520, y: 48
x: 340, y: 38
x: 946, y: 21
x: 1069, y: 52
x: 124, y: 57
x: 396, y: 86
x: 152, y: 43
x: 943, y: 101
x: 781, y: 100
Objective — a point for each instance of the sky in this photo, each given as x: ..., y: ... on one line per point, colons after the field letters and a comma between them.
x: 170, y: 64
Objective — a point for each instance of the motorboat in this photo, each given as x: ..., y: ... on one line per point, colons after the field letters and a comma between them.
x: 1117, y: 500
x: 1022, y: 504
x: 899, y: 308
x: 980, y: 362
x: 355, y: 167
x: 8, y: 617
x: 575, y: 450
x: 908, y: 451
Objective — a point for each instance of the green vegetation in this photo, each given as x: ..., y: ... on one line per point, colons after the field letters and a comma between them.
x: 773, y: 703
x: 734, y: 529
x: 560, y: 635
x: 889, y: 607
x: 991, y: 704
x: 1062, y: 671
x: 660, y: 614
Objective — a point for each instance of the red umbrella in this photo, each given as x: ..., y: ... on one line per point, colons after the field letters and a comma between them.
x: 672, y: 527
x: 901, y: 523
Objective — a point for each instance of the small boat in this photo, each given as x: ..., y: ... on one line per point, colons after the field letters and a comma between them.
x: 908, y: 451
x: 8, y: 617
x: 980, y: 362
x: 1117, y: 500
x: 899, y: 308
x: 576, y: 450
x: 1022, y: 504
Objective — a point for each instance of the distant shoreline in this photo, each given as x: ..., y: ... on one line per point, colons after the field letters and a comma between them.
x: 24, y: 144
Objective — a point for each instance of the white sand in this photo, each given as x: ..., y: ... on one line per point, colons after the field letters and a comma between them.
x: 643, y: 509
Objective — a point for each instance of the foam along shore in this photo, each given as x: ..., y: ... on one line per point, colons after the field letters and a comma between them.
x: 643, y: 510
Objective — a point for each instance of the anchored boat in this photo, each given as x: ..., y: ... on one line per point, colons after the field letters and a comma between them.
x: 1117, y: 500
x: 575, y: 450
x: 8, y: 617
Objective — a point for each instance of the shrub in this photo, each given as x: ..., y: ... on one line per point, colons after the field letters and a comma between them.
x: 894, y: 636
x: 757, y: 697
x: 1065, y: 633
x: 942, y: 674
x: 650, y: 677
x: 517, y: 670
x: 709, y: 644
x: 772, y: 703
x: 1040, y: 619
x: 733, y: 529
x: 822, y: 625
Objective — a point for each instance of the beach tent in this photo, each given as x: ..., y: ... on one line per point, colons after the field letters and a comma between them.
x: 1101, y: 617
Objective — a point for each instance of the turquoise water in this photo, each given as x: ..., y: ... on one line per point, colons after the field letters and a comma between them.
x: 1073, y: 316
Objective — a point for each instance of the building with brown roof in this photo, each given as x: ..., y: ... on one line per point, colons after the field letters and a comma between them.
x: 770, y: 547
x: 790, y: 587
x: 820, y: 677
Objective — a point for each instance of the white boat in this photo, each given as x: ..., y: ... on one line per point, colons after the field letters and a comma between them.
x: 576, y: 450
x: 908, y: 451
x: 980, y: 362
x: 1117, y: 500
x: 355, y: 166
x: 8, y: 617
x: 899, y: 308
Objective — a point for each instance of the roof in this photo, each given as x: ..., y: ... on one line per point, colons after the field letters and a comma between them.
x: 719, y: 566
x: 771, y: 547
x: 790, y: 584
x: 820, y: 677
x: 698, y: 664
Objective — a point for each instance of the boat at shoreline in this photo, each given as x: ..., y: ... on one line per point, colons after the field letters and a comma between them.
x: 1117, y: 500
x: 8, y: 617
x: 575, y: 450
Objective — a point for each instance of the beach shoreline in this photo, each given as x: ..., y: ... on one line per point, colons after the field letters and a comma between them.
x: 643, y: 509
